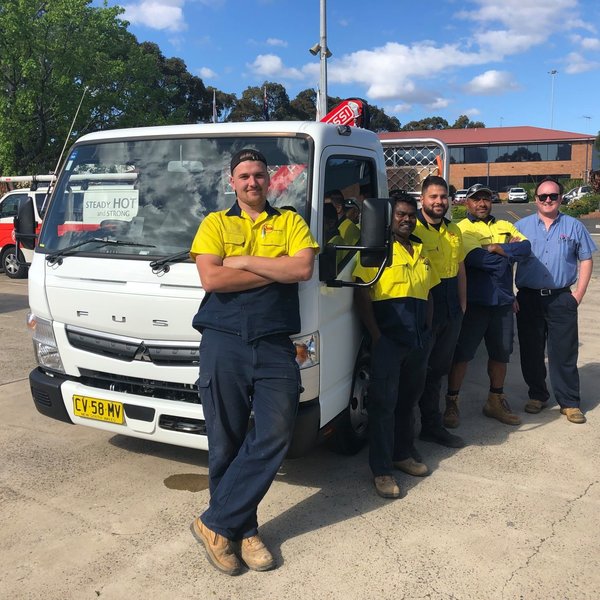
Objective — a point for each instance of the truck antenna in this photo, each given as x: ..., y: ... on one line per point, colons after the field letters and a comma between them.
x: 70, y: 130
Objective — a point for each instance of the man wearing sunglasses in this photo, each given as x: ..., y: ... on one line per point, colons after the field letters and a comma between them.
x: 547, y: 306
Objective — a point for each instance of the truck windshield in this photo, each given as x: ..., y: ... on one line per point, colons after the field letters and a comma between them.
x: 155, y: 192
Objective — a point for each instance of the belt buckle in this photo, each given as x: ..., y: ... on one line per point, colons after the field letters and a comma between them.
x: 545, y: 292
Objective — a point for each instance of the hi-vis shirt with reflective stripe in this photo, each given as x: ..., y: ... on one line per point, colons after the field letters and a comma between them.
x: 444, y: 246
x: 233, y: 233
x: 407, y: 277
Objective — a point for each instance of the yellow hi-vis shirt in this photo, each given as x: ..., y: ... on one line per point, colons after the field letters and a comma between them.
x: 233, y: 233
x: 407, y: 277
x: 444, y: 246
x: 349, y: 231
x: 481, y: 233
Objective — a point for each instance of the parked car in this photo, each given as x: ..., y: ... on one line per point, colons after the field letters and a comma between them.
x: 517, y: 194
x: 459, y: 197
x: 576, y: 193
x: 13, y: 264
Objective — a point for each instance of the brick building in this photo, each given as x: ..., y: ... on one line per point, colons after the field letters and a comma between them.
x: 502, y: 157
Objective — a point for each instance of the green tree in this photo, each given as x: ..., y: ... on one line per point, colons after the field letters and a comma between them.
x: 463, y: 122
x: 250, y: 107
x: 304, y: 105
x: 427, y: 123
x: 49, y: 52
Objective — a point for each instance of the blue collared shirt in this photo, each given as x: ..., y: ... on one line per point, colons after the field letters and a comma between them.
x: 554, y: 252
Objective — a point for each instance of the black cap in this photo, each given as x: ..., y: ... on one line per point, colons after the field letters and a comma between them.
x: 478, y: 188
x: 246, y: 154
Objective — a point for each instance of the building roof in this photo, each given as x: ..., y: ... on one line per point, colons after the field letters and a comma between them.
x: 491, y: 135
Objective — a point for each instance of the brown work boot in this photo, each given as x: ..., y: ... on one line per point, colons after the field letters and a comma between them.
x: 534, y: 406
x: 386, y: 486
x: 412, y: 467
x: 497, y: 408
x: 255, y: 554
x: 218, y: 548
x: 574, y: 415
x: 451, y: 414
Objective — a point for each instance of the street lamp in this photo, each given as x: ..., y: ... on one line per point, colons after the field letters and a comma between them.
x: 324, y: 53
x: 587, y: 147
x: 552, y: 74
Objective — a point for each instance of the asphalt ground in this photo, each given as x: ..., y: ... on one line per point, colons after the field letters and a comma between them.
x: 515, y: 514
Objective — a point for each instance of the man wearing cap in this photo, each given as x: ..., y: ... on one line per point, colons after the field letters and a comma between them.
x: 491, y: 248
x: 442, y: 240
x: 396, y: 311
x: 348, y: 230
x: 547, y: 315
x: 250, y: 259
x: 352, y: 210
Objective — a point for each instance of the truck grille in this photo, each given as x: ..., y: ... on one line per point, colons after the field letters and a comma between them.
x: 129, y: 349
x: 152, y: 388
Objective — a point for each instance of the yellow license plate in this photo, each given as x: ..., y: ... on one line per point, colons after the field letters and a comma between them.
x: 100, y: 410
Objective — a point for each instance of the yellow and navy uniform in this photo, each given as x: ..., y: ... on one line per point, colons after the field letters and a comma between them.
x: 445, y: 248
x: 267, y: 310
x: 477, y: 233
x: 400, y: 295
x: 349, y: 231
x: 490, y: 275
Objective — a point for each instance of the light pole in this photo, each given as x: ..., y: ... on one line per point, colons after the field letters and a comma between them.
x: 587, y: 147
x: 552, y: 74
x: 324, y: 53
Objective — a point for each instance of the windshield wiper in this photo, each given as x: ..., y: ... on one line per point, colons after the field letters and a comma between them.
x: 163, y: 265
x: 56, y: 258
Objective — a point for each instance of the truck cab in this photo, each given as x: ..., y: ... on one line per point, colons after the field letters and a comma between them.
x: 113, y: 291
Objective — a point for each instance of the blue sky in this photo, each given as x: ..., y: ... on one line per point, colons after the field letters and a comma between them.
x: 489, y: 59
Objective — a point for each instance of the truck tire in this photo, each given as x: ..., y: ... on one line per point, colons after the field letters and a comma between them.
x: 351, y: 427
x: 15, y: 269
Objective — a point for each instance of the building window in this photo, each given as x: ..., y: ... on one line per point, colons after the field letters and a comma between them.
x: 510, y: 153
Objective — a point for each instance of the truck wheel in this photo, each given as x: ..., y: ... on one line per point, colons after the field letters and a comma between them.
x: 352, y: 425
x: 15, y: 269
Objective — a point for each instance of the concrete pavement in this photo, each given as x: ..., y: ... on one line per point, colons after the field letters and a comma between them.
x: 515, y: 514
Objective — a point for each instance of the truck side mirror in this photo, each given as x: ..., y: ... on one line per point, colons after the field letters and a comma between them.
x: 25, y: 224
x: 375, y: 231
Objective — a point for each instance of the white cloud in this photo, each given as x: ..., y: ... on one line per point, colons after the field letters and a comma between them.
x: 400, y: 108
x: 587, y: 43
x: 576, y: 63
x: 206, y: 73
x: 490, y: 83
x: 471, y: 112
x: 270, y: 65
x: 389, y: 72
x: 157, y: 14
x: 438, y: 103
x: 276, y: 42
x: 513, y: 26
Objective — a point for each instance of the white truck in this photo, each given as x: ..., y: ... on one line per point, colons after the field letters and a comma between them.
x: 112, y: 290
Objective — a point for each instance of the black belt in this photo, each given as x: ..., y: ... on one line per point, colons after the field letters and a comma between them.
x: 546, y: 291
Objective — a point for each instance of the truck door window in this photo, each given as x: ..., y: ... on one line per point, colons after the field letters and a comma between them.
x: 8, y: 208
x: 352, y: 176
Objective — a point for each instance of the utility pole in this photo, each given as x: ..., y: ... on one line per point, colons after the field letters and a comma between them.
x: 552, y: 75
x: 322, y: 50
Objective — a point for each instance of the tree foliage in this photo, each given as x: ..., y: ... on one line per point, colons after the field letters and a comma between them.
x: 57, y: 54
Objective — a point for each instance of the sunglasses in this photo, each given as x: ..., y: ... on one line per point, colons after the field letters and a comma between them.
x: 551, y: 197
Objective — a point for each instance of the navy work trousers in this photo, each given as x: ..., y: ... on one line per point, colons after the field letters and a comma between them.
x: 549, y: 322
x: 236, y: 378
x: 443, y: 342
x: 397, y: 379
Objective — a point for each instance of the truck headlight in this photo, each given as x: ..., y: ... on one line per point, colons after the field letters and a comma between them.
x: 307, y: 350
x: 44, y: 343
